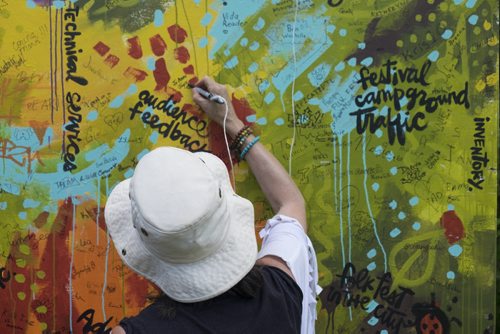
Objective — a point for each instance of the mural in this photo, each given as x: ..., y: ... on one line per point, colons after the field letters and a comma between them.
x: 384, y: 112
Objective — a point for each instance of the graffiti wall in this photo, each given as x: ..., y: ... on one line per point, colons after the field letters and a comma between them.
x: 384, y: 112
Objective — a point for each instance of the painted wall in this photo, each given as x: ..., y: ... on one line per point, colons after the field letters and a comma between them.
x: 385, y: 113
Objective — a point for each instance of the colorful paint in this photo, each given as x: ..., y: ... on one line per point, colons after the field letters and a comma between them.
x: 384, y: 112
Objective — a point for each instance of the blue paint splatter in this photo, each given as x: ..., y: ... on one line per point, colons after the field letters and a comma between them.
x: 371, y: 254
x: 262, y: 121
x: 330, y: 28
x: 231, y: 63
x: 384, y: 331
x: 361, y: 46
x: 142, y: 153
x: 253, y: 67
x: 394, y: 170
x: 450, y: 275
x: 30, y: 203
x: 244, y: 41
x: 259, y: 25
x: 314, y: 101
x: 117, y: 102
x: 447, y: 34
x: 401, y: 215
x: 298, y: 95
x: 473, y: 19
x: 367, y: 61
x: 379, y: 133
x: 433, y: 56
x: 393, y: 204
x: 470, y: 3
x: 378, y: 150
x: 58, y: 4
x: 92, y: 115
x: 206, y: 19
x: 342, y: 32
x: 371, y: 306
x: 414, y: 200
x: 371, y: 266
x: 279, y: 121
x: 154, y: 137
x: 151, y: 64
x: 129, y: 173
x: 395, y: 232
x: 23, y: 215
x: 455, y: 250
x: 30, y: 4
x: 158, y: 18
x: 96, y: 153
x: 451, y: 207
x: 3, y: 205
x: 457, y: 2
x: 251, y: 118
x: 352, y: 61
x: 263, y: 86
x: 416, y: 226
x: 373, y: 321
x: 375, y: 186
x: 389, y: 156
x: 132, y: 89
x: 254, y: 46
x: 203, y: 42
x: 340, y: 66
x: 269, y: 97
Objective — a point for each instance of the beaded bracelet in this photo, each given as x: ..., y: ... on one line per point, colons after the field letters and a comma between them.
x: 240, y: 137
x: 248, y: 147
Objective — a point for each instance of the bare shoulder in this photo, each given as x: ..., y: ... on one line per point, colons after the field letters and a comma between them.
x: 273, y: 261
x: 118, y: 330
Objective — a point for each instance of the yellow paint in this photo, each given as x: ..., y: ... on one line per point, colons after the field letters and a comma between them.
x: 43, y: 326
x: 413, y: 38
x: 492, y: 79
x: 399, y: 274
x: 20, y: 278
x: 492, y: 41
x: 25, y: 249
x: 486, y: 25
x: 21, y: 263
x: 480, y: 85
x: 40, y: 274
x: 21, y: 295
x: 41, y: 309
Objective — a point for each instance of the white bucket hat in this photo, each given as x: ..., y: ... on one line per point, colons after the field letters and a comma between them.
x: 178, y: 222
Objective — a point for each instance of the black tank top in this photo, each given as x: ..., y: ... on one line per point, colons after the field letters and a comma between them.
x: 276, y: 309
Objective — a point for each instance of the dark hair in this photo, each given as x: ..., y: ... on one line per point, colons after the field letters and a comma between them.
x: 248, y: 288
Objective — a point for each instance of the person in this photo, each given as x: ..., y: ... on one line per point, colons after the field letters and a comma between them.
x: 178, y: 222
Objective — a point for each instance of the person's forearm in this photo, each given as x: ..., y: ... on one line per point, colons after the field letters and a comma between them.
x: 278, y: 187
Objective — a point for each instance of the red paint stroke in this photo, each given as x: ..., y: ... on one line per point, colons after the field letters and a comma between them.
x: 41, y: 219
x: 158, y: 45
x: 216, y: 140
x: 111, y: 60
x: 182, y: 54
x: 162, y: 77
x: 137, y: 293
x: 134, y: 47
x: 101, y: 48
x: 40, y: 128
x: 188, y: 69
x: 453, y: 226
x: 193, y: 81
x: 136, y: 74
x: 177, y: 34
x: 193, y: 110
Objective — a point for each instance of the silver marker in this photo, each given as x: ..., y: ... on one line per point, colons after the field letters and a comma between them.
x: 209, y: 96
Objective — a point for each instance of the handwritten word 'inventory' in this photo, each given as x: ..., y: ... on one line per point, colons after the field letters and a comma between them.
x: 169, y: 129
x: 479, y: 158
x: 368, y: 117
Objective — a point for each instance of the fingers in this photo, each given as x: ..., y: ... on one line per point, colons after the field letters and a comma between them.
x: 212, y: 86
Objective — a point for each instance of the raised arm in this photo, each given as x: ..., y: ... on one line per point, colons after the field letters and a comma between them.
x: 278, y: 187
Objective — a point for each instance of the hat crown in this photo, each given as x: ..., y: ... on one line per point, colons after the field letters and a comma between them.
x: 174, y: 197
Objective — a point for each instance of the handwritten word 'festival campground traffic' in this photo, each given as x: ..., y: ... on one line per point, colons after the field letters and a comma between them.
x: 369, y: 118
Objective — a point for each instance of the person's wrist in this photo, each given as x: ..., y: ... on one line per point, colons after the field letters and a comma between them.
x: 233, y: 127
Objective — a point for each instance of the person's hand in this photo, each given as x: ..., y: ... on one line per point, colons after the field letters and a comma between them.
x: 216, y: 111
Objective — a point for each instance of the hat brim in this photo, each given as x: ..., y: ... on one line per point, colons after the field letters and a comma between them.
x: 200, y: 280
